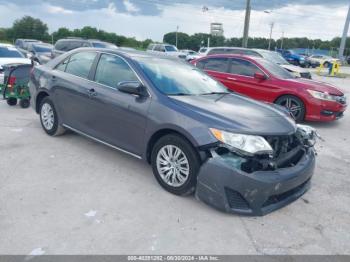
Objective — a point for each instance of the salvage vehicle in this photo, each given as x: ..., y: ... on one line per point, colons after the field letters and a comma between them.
x: 264, y: 80
x: 238, y: 155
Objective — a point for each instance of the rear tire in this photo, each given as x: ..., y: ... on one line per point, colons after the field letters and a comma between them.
x: 294, y: 105
x: 175, y: 164
x: 49, y: 118
x: 11, y: 101
x: 326, y: 64
x: 24, y: 103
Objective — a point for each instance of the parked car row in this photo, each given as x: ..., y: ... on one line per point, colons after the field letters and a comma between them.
x: 235, y: 153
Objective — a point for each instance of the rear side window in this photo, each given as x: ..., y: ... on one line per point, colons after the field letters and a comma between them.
x: 243, y: 67
x: 61, y: 46
x: 76, y: 44
x: 80, y: 64
x: 216, y: 64
x: 112, y: 70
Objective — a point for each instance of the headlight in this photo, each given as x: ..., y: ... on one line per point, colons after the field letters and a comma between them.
x: 322, y: 95
x: 246, y: 143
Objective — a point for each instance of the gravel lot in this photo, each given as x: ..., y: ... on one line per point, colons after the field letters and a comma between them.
x: 69, y: 195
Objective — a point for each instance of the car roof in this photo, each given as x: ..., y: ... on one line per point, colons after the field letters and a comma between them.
x: 132, y: 54
x: 247, y: 57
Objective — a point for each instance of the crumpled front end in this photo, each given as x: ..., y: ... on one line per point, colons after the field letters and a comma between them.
x: 257, y: 185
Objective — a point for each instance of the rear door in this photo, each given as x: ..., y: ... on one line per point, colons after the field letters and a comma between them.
x: 217, y: 67
x: 72, y: 89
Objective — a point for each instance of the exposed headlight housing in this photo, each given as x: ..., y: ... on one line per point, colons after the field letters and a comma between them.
x: 246, y: 144
x: 322, y: 95
x: 308, y: 133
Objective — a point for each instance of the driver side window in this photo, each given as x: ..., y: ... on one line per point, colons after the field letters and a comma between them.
x: 111, y: 70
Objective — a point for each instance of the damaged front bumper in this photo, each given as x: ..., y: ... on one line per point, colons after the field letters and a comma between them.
x: 229, y: 189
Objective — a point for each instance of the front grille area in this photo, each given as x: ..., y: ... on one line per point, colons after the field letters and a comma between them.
x: 341, y: 100
x: 236, y: 200
x: 278, y: 198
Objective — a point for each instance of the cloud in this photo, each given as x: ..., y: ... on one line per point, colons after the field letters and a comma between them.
x: 132, y: 18
x: 130, y: 7
x: 58, y: 10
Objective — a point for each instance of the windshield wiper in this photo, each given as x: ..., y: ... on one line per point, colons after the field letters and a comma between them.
x: 216, y: 93
x: 179, y: 94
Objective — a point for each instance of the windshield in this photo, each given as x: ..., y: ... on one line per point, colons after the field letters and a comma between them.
x: 103, y: 45
x: 274, y: 57
x: 42, y: 48
x: 9, y: 52
x: 276, y: 70
x: 170, y: 48
x: 177, y: 78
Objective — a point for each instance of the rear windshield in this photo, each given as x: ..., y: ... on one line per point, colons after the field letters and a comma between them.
x: 170, y: 48
x: 42, y: 48
x: 9, y: 52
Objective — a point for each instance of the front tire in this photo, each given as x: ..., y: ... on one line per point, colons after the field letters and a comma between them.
x: 24, y: 103
x: 294, y: 105
x: 49, y: 118
x: 175, y: 164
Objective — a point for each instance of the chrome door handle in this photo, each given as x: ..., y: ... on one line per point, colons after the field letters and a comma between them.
x: 231, y: 78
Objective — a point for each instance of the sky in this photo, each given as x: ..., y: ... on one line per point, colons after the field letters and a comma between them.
x: 143, y: 19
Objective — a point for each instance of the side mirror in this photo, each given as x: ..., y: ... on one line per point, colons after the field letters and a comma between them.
x: 131, y: 87
x: 260, y: 76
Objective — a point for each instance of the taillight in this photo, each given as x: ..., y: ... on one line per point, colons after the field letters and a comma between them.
x: 10, y: 83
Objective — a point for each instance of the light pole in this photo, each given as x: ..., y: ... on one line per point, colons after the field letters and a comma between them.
x: 271, y: 28
x: 177, y: 29
x: 343, y: 39
x: 246, y: 24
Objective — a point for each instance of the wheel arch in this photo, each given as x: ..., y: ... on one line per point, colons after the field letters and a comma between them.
x: 163, y: 132
x: 40, y: 96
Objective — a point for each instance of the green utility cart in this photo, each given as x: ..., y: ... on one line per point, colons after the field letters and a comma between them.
x: 15, y: 86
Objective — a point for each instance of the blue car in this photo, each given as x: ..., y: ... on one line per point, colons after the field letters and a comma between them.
x: 294, y: 58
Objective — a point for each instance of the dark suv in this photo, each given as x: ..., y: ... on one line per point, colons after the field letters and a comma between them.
x: 237, y: 154
x: 67, y: 44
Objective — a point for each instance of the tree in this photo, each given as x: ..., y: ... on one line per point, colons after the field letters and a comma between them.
x: 29, y: 27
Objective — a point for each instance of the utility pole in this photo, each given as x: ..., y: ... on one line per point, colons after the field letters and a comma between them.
x: 177, y: 29
x: 282, y: 39
x: 345, y: 33
x: 272, y: 24
x: 246, y: 24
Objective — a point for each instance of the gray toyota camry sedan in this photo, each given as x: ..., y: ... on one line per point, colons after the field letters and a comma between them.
x: 236, y: 154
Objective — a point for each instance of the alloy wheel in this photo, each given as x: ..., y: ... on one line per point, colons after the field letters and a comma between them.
x: 47, y: 116
x: 172, y: 165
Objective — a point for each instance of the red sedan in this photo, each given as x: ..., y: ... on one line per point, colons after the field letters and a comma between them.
x: 263, y: 80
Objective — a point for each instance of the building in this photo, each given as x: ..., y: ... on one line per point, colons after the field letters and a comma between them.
x: 216, y: 29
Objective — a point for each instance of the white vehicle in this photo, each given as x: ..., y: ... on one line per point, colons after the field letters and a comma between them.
x: 278, y: 59
x: 324, y: 60
x: 166, y: 49
x: 10, y: 55
x: 190, y: 54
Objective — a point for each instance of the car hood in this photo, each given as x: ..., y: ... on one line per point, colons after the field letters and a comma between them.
x: 316, y: 85
x: 14, y: 60
x: 294, y: 68
x: 238, y: 114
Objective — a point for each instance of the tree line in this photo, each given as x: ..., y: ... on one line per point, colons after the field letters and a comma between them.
x: 198, y: 40
x: 29, y: 27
